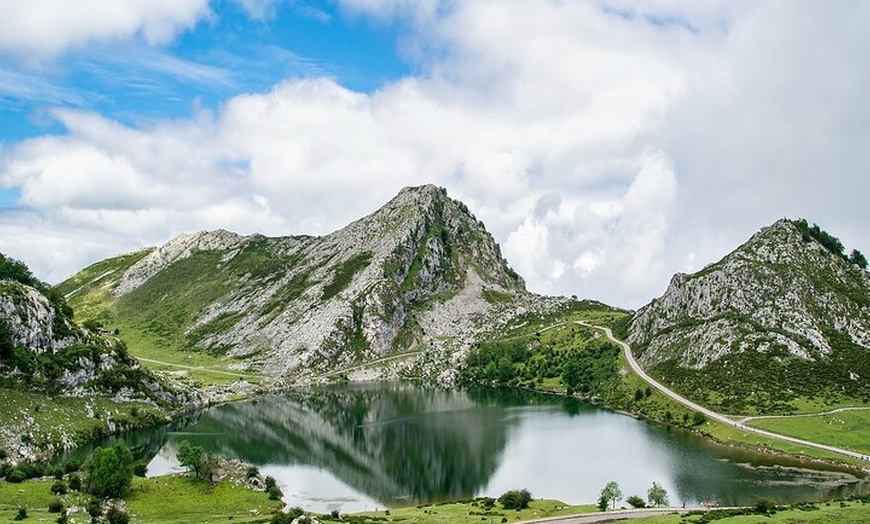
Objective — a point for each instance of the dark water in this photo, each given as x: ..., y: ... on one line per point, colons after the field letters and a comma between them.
x: 360, y: 447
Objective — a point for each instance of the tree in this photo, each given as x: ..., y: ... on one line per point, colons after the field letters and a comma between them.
x: 858, y: 259
x: 657, y: 496
x: 572, y: 374
x: 195, y: 458
x: 110, y: 471
x: 609, y: 495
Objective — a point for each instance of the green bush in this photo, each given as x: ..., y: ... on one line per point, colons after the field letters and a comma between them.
x: 116, y: 515
x: 55, y: 506
x: 274, y: 493
x: 95, y: 508
x: 287, y: 517
x: 515, y: 499
x: 21, y: 515
x: 140, y: 468
x: 636, y: 502
x: 59, y: 487
x: 16, y: 476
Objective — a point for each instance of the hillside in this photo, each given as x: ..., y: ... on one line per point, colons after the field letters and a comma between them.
x: 419, y: 275
x: 783, y: 319
x: 44, y: 354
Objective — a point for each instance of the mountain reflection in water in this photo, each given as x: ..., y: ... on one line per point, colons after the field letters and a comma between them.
x: 357, y: 447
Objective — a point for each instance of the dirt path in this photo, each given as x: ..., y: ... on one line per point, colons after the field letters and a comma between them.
x: 832, y: 412
x: 196, y: 368
x: 712, y: 414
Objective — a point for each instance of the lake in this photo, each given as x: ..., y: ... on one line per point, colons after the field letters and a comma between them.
x: 364, y: 446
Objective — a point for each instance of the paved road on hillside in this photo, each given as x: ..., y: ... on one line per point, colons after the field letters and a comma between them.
x: 607, y: 516
x: 710, y: 413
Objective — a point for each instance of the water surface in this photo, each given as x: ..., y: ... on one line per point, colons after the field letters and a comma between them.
x: 362, y: 447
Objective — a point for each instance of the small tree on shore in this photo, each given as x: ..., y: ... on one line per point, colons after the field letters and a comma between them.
x: 196, y: 459
x: 110, y: 471
x: 657, y: 496
x: 609, y: 495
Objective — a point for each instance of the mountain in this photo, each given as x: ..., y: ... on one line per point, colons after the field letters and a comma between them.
x: 784, y: 316
x: 420, y: 273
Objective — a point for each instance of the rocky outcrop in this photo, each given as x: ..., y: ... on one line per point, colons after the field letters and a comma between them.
x: 421, y: 272
x: 782, y: 293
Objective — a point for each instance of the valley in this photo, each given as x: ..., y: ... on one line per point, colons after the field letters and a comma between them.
x: 763, y: 353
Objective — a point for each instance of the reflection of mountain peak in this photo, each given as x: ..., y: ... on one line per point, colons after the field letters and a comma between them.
x: 392, y: 442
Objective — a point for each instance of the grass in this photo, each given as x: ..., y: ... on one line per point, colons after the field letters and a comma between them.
x: 178, y: 499
x: 847, y: 429
x: 469, y: 511
x: 46, y: 419
x: 144, y: 346
x: 163, y: 500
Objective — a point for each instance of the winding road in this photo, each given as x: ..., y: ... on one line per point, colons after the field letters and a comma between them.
x: 710, y: 413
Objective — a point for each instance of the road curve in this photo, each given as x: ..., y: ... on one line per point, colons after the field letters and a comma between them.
x: 710, y: 413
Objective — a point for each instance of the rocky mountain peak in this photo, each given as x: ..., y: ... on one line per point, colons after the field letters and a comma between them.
x: 418, y: 271
x: 789, y: 292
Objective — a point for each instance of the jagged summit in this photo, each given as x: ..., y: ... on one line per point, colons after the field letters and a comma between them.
x: 421, y: 271
x: 786, y: 297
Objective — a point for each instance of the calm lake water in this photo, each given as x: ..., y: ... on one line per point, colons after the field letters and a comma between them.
x: 361, y: 447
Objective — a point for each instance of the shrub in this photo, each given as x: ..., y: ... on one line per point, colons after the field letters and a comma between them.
x: 55, y: 506
x: 95, y: 508
x: 59, y: 487
x: 252, y: 472
x: 75, y: 482
x: 515, y: 499
x: 16, y: 476
x: 287, y: 517
x: 140, y: 469
x: 21, y: 515
x: 636, y: 501
x: 764, y: 505
x: 274, y: 493
x: 116, y: 515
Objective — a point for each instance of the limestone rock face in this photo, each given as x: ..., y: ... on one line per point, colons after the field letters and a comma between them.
x: 420, y: 273
x: 33, y: 322
x: 781, y: 293
x: 56, y: 356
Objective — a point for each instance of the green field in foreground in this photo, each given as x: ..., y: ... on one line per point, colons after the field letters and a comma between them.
x: 846, y: 429
x: 180, y: 499
x: 164, y: 500
x: 470, y: 511
x: 852, y: 512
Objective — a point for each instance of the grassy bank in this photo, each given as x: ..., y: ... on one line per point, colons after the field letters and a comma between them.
x: 45, y: 422
x: 164, y: 500
x: 846, y: 429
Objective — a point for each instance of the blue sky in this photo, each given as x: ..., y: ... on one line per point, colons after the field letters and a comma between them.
x: 606, y: 144
x: 228, y: 53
